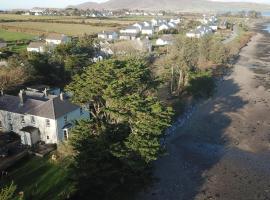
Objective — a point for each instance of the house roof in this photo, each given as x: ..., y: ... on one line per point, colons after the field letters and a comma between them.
x: 51, y: 107
x: 36, y: 44
x: 129, y: 34
x: 55, y: 36
x: 147, y: 28
x: 131, y: 27
x: 167, y: 37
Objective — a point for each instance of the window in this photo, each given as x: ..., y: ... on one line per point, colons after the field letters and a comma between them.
x: 65, y: 135
x: 48, y: 137
x: 65, y: 119
x: 22, y: 119
x: 10, y: 127
x: 48, y: 123
x: 81, y: 111
x: 9, y: 116
x: 33, y: 120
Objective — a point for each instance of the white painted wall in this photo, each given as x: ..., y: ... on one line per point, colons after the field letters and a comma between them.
x: 49, y: 134
x: 71, y: 117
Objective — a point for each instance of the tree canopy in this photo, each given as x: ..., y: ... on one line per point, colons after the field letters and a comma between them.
x: 123, y: 136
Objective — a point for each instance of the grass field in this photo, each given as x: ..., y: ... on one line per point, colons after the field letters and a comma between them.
x: 39, y: 179
x: 12, y: 36
x: 43, y: 27
x: 69, y: 25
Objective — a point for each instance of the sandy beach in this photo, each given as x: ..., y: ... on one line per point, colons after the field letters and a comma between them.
x: 223, y: 151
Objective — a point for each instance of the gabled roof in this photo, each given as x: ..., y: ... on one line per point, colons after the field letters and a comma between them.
x: 147, y: 28
x: 36, y: 44
x: 167, y: 37
x: 55, y: 36
x: 52, y: 107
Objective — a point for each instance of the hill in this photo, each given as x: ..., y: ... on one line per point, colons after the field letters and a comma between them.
x: 176, y: 5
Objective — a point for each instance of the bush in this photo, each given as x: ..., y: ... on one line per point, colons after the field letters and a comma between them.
x: 201, y: 84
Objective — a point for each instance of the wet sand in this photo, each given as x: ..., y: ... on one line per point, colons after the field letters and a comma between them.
x: 223, y: 151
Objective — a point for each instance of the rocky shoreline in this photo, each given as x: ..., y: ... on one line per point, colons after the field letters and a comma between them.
x: 222, y: 151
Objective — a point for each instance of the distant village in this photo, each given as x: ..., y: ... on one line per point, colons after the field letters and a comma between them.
x: 44, y: 115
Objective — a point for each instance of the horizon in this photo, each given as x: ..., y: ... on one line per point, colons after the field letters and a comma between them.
x: 18, y: 4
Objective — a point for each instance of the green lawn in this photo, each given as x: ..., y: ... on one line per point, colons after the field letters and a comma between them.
x: 39, y: 179
x: 12, y: 36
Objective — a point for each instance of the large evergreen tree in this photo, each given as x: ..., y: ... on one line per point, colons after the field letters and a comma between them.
x: 123, y: 135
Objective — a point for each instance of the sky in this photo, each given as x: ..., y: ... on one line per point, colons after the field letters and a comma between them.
x: 12, y: 4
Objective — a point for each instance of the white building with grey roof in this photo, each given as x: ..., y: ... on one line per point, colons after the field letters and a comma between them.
x: 39, y: 116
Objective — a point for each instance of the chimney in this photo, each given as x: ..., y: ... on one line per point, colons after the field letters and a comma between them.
x: 61, y: 96
x: 22, y: 95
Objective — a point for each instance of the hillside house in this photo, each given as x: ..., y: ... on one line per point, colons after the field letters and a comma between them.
x: 176, y: 21
x: 172, y: 25
x: 165, y: 40
x: 138, y: 25
x: 163, y: 27
x: 199, y: 32
x: 54, y: 39
x: 108, y: 35
x: 147, y: 30
x: 130, y: 30
x: 3, y: 43
x: 38, y: 47
x: 130, y: 36
x: 39, y: 116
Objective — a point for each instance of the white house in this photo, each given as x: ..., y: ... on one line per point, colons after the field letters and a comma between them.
x: 38, y: 47
x: 138, y: 25
x: 165, y: 40
x: 213, y: 26
x: 147, y: 30
x: 154, y: 22
x: 176, y: 21
x: 163, y: 27
x: 199, y: 32
x: 172, y: 25
x: 130, y: 30
x: 130, y: 36
x: 146, y: 24
x: 193, y: 34
x: 55, y: 39
x: 37, y: 116
x: 108, y: 35
x: 3, y: 44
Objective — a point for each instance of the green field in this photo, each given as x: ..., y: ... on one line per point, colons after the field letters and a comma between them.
x: 13, y: 36
x: 39, y: 179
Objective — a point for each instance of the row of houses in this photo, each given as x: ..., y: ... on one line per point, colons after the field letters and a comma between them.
x: 209, y: 25
x: 143, y: 28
